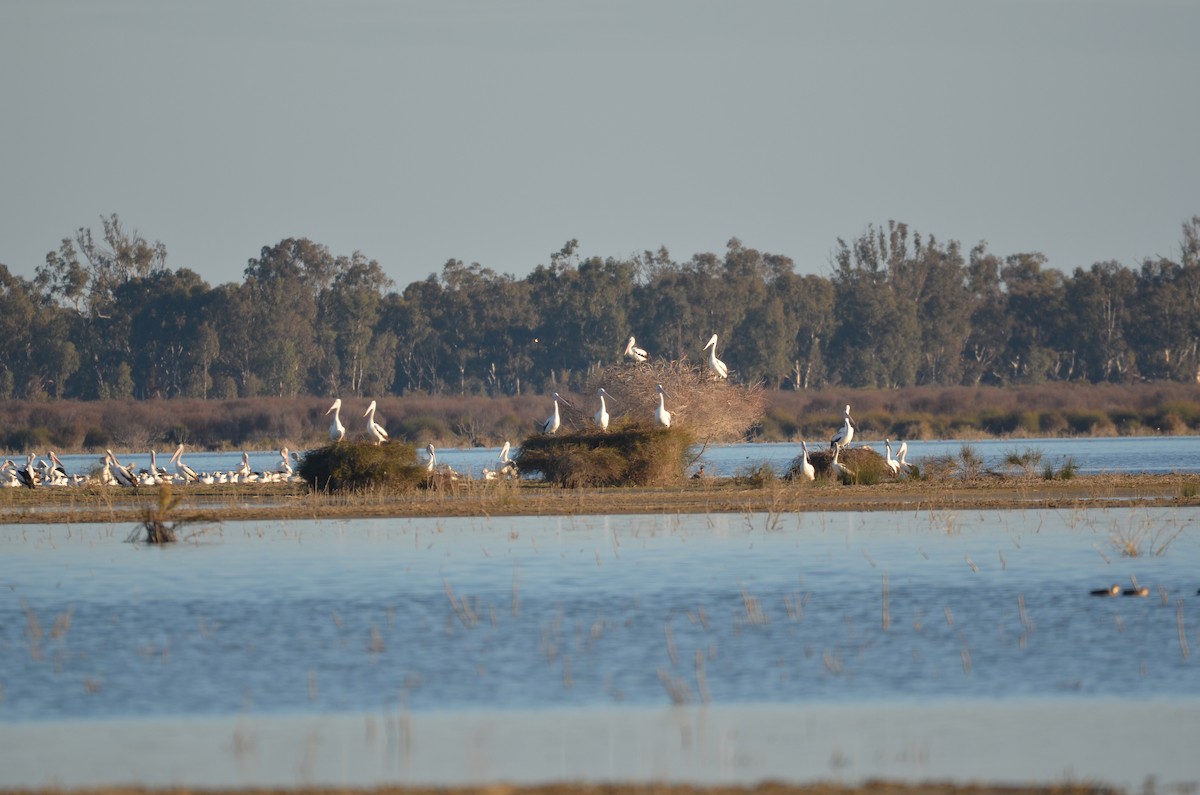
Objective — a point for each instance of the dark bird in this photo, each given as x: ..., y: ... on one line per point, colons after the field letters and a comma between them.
x: 1139, y: 591
x: 1112, y: 590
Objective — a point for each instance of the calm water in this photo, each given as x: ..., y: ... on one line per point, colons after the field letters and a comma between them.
x: 593, y: 616
x: 1151, y: 454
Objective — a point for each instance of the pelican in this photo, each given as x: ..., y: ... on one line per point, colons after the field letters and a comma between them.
x: 28, y: 474
x: 892, y: 463
x: 244, y: 472
x: 845, y: 434
x: 662, y: 417
x: 181, y: 469
x: 121, y: 473
x: 505, y: 465
x: 56, y: 466
x: 900, y: 457
x: 807, y: 470
x: 839, y: 469
x: 337, y: 431
x: 554, y: 421
x: 602, y: 414
x: 634, y: 352
x: 716, y: 365
x: 285, y: 465
x: 432, y: 462
x: 374, y: 429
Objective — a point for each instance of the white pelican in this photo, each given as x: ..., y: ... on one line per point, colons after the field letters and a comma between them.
x: 634, y: 352
x: 839, y: 470
x: 716, y: 365
x: 243, y: 472
x: 374, y: 429
x: 505, y: 465
x: 807, y: 470
x: 892, y: 463
x: 181, y: 469
x: 554, y: 421
x: 337, y: 431
x: 28, y: 474
x: 285, y: 465
x: 662, y: 417
x: 56, y: 466
x: 432, y: 462
x: 120, y: 472
x: 602, y: 414
x: 846, y: 433
x: 900, y: 457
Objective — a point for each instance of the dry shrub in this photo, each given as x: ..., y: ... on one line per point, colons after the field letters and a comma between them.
x: 711, y: 410
x: 865, y: 465
x: 357, y: 466
x: 627, y: 457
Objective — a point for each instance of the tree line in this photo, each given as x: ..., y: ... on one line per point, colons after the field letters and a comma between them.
x: 106, y: 317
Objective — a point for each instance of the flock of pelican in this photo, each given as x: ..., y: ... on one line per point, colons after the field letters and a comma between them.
x: 841, y: 440
x: 37, y: 472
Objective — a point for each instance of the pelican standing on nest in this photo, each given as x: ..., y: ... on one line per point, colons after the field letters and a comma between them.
x: 845, y: 434
x: 901, y: 457
x: 892, y: 463
x: 662, y: 417
x: 634, y: 352
x: 337, y: 431
x: 807, y: 470
x: 554, y: 421
x: 432, y: 462
x: 840, y: 471
x: 602, y: 413
x: 374, y: 429
x: 716, y: 365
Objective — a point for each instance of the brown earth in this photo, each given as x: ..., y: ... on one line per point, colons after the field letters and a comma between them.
x: 480, y: 498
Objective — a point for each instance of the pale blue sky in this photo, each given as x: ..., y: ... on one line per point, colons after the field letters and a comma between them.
x: 492, y: 131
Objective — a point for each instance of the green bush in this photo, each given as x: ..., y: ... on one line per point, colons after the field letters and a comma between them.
x: 357, y: 466
x: 625, y: 457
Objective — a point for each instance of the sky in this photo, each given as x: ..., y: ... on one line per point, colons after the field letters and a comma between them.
x: 494, y: 132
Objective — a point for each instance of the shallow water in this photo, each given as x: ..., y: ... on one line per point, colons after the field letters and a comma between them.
x: 592, y: 616
x: 1118, y: 455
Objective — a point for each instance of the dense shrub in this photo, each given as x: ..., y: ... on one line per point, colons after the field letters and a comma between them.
x: 357, y: 466
x: 626, y: 457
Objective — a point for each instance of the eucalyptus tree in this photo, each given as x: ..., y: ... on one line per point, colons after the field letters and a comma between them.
x: 86, y: 275
x: 1035, y: 304
x: 876, y: 339
x: 988, y: 331
x: 1099, y: 305
x: 1166, y: 334
x: 283, y: 285
x: 166, y: 310
x: 348, y: 312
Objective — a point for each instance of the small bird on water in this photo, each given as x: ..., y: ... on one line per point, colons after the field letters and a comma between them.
x: 1112, y: 590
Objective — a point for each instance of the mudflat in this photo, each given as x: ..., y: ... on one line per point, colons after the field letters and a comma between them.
x: 523, y: 498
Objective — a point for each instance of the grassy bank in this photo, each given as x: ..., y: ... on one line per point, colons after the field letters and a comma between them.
x: 754, y: 494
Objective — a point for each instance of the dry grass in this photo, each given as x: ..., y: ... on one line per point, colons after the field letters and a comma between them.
x: 631, y: 456
x: 713, y: 411
x: 357, y: 466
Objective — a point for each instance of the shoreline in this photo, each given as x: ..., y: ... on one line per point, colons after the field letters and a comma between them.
x: 200, y: 504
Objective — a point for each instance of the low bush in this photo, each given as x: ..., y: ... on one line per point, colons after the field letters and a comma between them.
x: 630, y: 456
x: 358, y: 466
x: 863, y: 466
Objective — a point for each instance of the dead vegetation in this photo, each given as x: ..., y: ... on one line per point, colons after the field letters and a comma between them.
x: 631, y: 456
